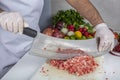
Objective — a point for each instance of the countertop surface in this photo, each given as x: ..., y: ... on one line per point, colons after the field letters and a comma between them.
x: 28, y: 65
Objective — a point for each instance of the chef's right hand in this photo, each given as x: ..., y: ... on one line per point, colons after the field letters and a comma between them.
x: 12, y: 21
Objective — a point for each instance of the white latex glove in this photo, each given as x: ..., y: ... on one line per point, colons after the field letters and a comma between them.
x: 106, y: 37
x: 12, y: 21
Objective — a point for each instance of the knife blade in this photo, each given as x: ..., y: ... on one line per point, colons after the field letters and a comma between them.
x: 63, y: 56
x: 46, y: 46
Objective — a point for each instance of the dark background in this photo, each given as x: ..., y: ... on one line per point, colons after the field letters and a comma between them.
x: 45, y: 18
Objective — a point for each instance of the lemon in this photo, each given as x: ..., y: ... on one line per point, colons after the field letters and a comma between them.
x: 78, y: 34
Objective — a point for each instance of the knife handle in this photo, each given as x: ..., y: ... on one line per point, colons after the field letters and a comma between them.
x: 29, y: 32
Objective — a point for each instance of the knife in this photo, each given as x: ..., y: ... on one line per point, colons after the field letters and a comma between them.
x: 47, y: 46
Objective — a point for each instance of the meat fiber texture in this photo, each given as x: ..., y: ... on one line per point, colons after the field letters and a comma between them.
x: 48, y: 72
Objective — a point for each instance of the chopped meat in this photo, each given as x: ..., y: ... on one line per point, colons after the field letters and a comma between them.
x: 78, y: 65
x: 71, y: 51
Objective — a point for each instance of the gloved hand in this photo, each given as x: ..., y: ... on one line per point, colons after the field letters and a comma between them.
x: 12, y: 21
x: 106, y: 37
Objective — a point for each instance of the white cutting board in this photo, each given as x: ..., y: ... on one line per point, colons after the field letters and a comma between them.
x: 52, y: 73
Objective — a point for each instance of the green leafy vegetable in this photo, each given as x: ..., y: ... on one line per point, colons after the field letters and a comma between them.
x: 70, y: 17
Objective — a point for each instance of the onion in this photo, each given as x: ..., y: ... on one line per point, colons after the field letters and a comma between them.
x: 48, y: 31
x: 58, y: 34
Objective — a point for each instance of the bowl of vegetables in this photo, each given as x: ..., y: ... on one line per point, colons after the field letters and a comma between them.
x: 70, y: 25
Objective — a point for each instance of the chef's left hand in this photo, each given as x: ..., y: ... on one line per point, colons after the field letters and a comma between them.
x: 106, y: 37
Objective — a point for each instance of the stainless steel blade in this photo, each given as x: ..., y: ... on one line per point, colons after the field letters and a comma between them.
x: 47, y: 46
x: 62, y: 56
